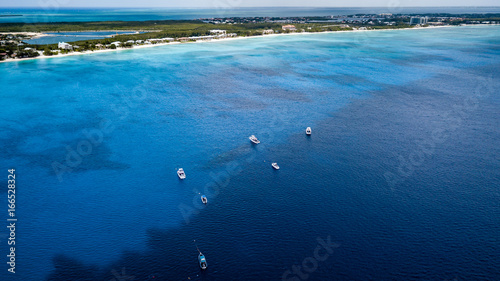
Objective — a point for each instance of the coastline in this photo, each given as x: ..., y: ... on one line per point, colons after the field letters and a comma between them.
x: 369, y: 98
x: 211, y: 41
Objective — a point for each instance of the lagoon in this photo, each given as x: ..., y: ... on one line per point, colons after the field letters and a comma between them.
x: 56, y: 37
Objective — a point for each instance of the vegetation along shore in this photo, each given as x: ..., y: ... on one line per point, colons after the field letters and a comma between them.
x: 13, y: 36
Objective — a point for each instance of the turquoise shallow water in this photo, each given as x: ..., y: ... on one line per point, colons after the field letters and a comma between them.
x: 96, y: 141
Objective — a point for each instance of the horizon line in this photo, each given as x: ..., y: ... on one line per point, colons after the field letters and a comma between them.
x: 207, y: 7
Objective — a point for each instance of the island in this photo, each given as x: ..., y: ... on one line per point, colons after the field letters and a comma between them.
x: 14, y: 36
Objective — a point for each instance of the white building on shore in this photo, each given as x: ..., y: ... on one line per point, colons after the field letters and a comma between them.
x: 64, y: 46
x: 418, y: 20
x: 218, y: 31
x: 289, y: 27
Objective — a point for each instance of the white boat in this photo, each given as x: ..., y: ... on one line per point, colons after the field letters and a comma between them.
x: 181, y: 174
x: 254, y: 139
x: 204, y: 199
x: 275, y: 166
x: 308, y: 131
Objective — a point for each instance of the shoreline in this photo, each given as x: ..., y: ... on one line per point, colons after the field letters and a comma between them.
x: 219, y: 40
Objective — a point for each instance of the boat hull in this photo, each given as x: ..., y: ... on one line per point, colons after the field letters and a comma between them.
x: 203, y: 262
x: 181, y: 174
x: 254, y: 140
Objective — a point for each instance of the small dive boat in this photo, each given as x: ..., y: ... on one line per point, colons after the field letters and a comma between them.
x: 181, y: 174
x: 204, y: 199
x: 254, y: 139
x: 275, y: 166
x: 308, y: 131
x: 202, y: 261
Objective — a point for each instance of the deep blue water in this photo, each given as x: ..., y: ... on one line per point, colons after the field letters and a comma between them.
x: 56, y: 12
x: 402, y: 170
x: 55, y: 37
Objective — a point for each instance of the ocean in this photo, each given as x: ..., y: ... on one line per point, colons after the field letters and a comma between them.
x: 398, y: 181
x: 56, y: 12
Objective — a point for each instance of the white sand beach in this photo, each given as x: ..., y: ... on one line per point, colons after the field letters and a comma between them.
x: 210, y: 41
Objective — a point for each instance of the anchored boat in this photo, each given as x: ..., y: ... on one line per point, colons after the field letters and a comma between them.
x: 275, y: 166
x: 201, y: 258
x: 254, y: 139
x: 202, y: 261
x: 308, y: 131
x: 181, y: 174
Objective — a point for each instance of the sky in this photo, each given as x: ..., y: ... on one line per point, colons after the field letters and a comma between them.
x: 244, y: 3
